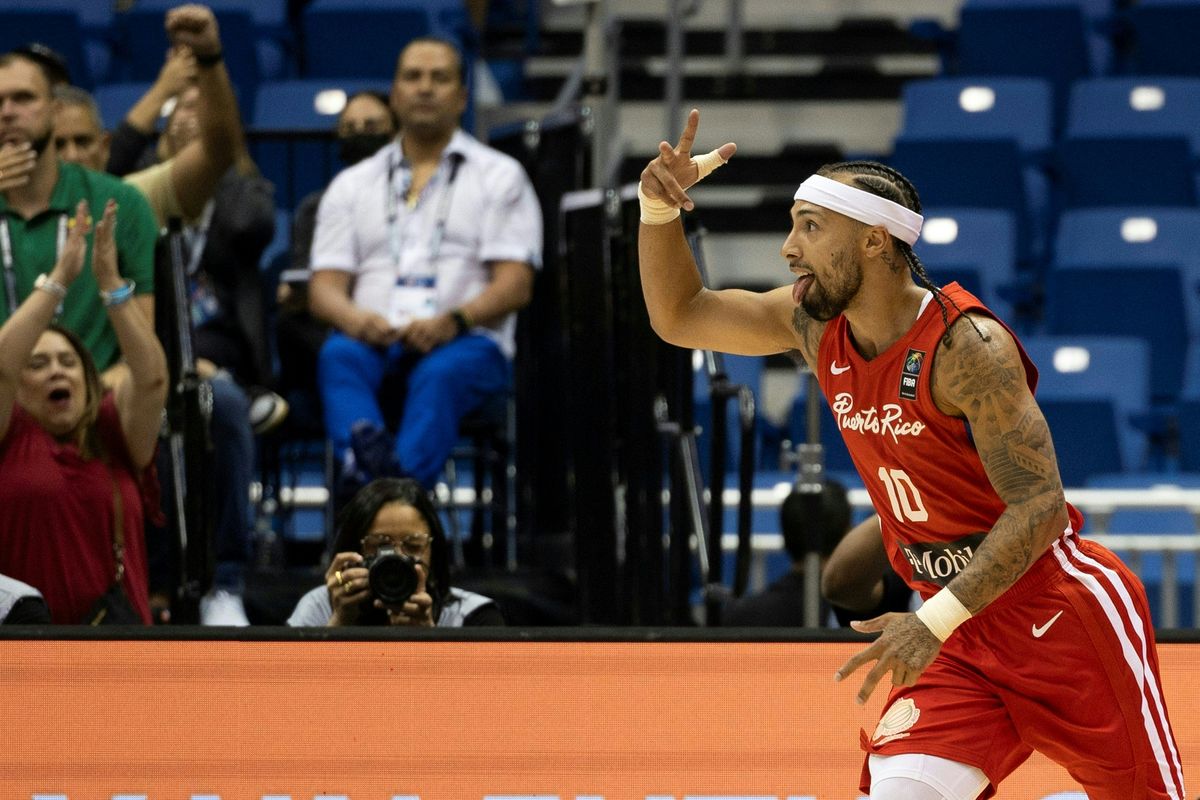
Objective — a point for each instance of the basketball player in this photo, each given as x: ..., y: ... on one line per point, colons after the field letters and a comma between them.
x: 1030, y: 637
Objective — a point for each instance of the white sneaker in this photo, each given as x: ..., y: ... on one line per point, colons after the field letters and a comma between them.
x: 223, y: 607
x: 267, y: 411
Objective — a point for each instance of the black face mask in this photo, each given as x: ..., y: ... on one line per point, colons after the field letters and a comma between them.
x: 357, y: 146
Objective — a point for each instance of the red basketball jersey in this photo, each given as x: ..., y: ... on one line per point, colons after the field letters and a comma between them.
x: 919, y: 465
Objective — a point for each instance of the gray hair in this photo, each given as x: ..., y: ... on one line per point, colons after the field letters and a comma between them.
x: 74, y: 96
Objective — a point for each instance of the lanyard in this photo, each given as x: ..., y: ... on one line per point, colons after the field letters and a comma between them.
x: 197, y: 238
x: 6, y: 254
x: 440, y: 218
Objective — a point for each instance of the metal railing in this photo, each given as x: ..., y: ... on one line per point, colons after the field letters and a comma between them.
x: 1097, y: 505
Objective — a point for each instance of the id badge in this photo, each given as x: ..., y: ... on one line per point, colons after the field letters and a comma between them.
x: 412, y: 298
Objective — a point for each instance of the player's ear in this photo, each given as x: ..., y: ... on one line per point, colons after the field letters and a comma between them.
x: 875, y: 241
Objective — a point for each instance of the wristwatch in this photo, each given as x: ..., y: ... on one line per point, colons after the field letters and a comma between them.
x: 50, y: 285
x: 461, y: 321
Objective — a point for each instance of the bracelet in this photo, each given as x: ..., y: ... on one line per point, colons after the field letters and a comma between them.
x: 655, y: 212
x: 462, y: 320
x: 118, y: 296
x: 942, y: 613
x: 48, y: 284
x: 210, y: 60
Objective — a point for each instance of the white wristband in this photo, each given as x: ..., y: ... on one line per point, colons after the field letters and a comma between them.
x: 655, y: 212
x: 942, y: 613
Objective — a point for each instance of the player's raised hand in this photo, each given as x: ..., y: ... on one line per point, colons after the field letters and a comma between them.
x: 668, y: 176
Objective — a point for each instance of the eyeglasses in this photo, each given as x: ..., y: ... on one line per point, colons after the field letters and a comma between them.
x: 413, y: 544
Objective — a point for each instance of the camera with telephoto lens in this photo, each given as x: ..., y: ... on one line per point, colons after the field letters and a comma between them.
x: 392, y: 576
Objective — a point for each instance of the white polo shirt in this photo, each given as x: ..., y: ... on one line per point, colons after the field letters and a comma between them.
x: 490, y: 213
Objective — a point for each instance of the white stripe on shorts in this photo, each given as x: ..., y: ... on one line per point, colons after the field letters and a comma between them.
x: 1136, y: 658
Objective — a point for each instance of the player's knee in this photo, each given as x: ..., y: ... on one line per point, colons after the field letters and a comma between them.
x: 912, y: 776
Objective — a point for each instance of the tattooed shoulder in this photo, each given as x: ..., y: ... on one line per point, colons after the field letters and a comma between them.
x: 979, y: 360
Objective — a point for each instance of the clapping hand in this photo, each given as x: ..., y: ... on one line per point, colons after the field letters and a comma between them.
x: 104, y: 250
x: 70, y: 260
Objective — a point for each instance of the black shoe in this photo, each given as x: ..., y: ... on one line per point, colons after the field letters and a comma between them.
x: 374, y: 451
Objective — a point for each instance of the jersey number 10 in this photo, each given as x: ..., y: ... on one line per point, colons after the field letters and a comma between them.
x: 906, y: 500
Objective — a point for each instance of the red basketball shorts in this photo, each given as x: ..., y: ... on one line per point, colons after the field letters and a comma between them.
x: 1064, y: 662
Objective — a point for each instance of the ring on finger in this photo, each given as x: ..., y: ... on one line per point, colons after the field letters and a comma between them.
x: 338, y: 574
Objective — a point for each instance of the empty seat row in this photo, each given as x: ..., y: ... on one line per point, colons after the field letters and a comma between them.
x: 333, y: 38
x: 1063, y: 41
x: 991, y: 142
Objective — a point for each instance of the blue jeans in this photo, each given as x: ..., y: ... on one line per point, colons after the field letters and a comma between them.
x: 442, y: 387
x: 233, y: 460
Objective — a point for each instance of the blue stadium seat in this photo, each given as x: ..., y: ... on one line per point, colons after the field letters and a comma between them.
x: 1164, y: 37
x: 115, y: 100
x: 983, y: 142
x: 974, y: 246
x: 1123, y: 299
x: 361, y: 38
x: 980, y: 108
x: 96, y: 17
x: 1137, y: 106
x: 1189, y: 434
x: 1090, y: 388
x: 1141, y: 235
x: 1053, y: 39
x: 977, y: 174
x: 1146, y: 133
x: 272, y: 38
x: 54, y: 25
x: 309, y: 105
x: 292, y: 132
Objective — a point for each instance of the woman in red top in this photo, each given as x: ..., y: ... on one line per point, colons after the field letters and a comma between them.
x: 68, y: 450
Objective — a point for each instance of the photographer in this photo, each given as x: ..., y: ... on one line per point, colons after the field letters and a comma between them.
x: 391, y: 567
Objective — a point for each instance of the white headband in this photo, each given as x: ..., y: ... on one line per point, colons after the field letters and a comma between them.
x: 901, y: 222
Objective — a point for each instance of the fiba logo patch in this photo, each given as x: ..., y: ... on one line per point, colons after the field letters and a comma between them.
x: 913, y: 362
x: 894, y: 724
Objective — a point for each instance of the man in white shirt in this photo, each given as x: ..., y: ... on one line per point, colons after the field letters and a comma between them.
x: 421, y: 257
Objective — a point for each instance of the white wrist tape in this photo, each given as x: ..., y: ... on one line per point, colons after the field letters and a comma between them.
x: 654, y: 211
x: 942, y: 613
x: 707, y: 163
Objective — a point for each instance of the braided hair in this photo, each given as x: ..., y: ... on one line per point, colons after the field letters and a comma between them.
x: 886, y: 182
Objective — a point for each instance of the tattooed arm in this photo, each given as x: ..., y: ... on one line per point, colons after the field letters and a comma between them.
x: 984, y: 381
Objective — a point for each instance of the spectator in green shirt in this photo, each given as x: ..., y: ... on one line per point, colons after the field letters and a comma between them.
x: 38, y: 194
